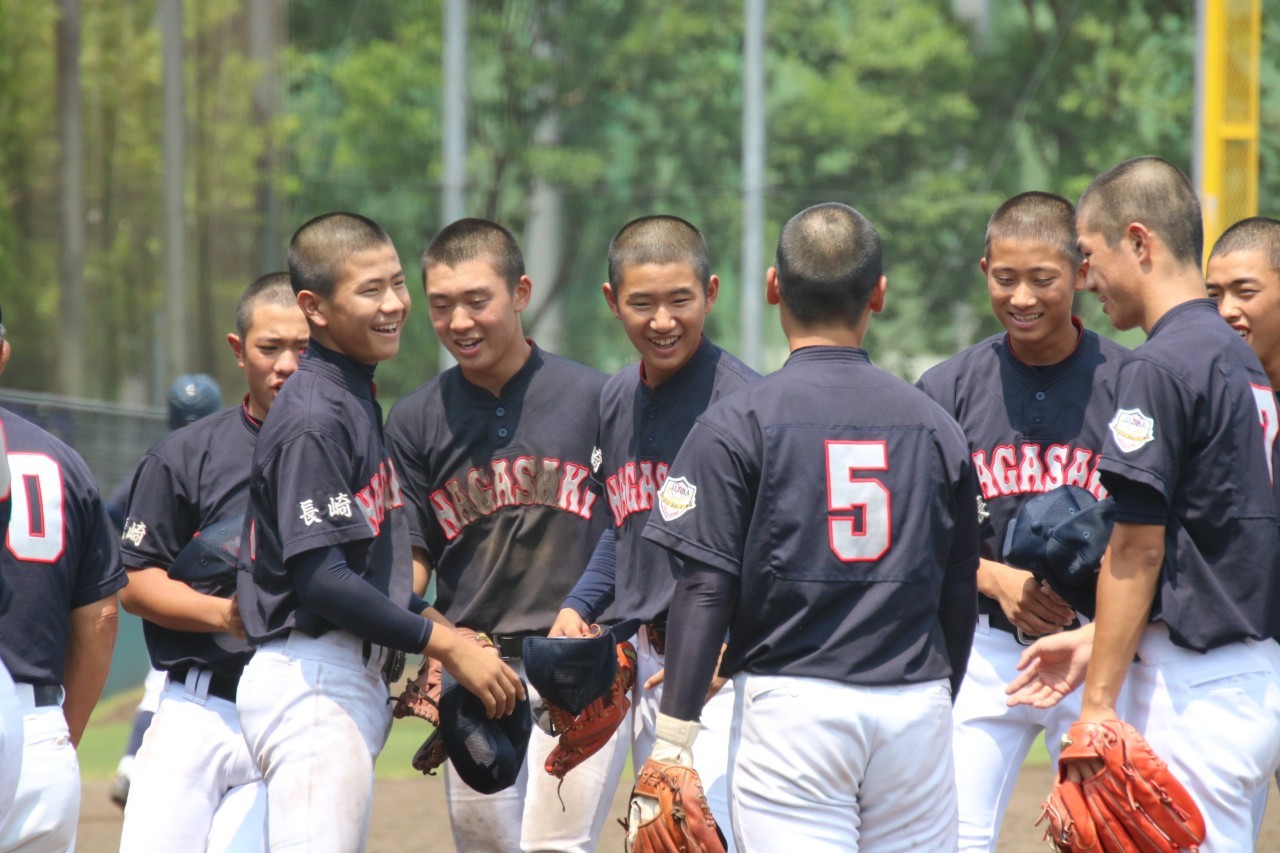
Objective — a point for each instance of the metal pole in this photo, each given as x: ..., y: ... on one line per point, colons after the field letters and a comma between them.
x: 453, y: 200
x: 753, y: 151
x: 71, y: 367
x: 174, y: 132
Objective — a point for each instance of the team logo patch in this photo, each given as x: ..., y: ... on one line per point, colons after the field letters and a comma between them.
x: 1132, y: 429
x: 676, y: 497
x: 134, y: 532
x: 597, y: 459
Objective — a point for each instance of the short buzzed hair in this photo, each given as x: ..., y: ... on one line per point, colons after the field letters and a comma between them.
x: 1039, y: 217
x: 273, y: 288
x: 829, y: 260
x: 321, y: 247
x: 1257, y: 233
x: 473, y: 240
x: 660, y: 239
x: 1154, y: 192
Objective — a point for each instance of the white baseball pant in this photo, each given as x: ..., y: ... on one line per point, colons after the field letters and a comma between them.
x: 46, y: 805
x: 823, y: 766
x: 1214, y: 717
x: 529, y: 816
x: 315, y: 714
x: 710, y: 750
x: 194, y: 784
x: 10, y: 740
x: 990, y: 740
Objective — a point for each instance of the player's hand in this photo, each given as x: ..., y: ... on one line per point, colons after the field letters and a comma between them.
x: 478, y: 669
x: 1080, y: 769
x: 569, y: 624
x: 234, y: 625
x: 717, y: 681
x: 655, y: 679
x: 1029, y: 604
x: 1051, y: 668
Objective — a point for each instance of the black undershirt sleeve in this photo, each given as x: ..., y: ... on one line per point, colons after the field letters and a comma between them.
x: 699, y: 617
x: 1136, y: 503
x: 327, y: 587
x: 958, y: 616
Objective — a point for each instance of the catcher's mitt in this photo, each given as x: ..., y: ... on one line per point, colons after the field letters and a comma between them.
x: 586, y: 734
x: 669, y: 812
x: 1132, y: 804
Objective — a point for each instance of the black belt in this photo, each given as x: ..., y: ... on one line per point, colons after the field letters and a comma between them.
x: 222, y: 686
x: 45, y: 695
x: 511, y: 646
x: 392, y: 665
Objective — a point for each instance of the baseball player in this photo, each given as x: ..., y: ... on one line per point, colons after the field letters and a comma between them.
x: 1040, y: 425
x: 324, y: 581
x: 191, y: 397
x: 661, y: 288
x: 10, y: 708
x: 826, y: 517
x: 62, y: 568
x: 1244, y: 279
x: 494, y: 460
x: 195, y: 787
x: 1190, y: 583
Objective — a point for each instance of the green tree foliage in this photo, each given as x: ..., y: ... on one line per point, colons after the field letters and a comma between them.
x: 620, y: 107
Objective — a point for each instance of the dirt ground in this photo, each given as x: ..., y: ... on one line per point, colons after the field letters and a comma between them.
x: 403, y: 807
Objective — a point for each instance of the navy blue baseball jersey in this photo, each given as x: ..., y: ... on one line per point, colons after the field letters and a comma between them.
x: 191, y: 480
x: 499, y: 489
x: 842, y: 498
x: 1030, y: 429
x: 1195, y: 419
x: 60, y: 553
x: 641, y: 430
x: 321, y: 476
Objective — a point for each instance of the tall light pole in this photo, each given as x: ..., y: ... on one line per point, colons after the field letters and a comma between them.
x: 175, y: 219
x: 753, y: 148
x: 453, y: 199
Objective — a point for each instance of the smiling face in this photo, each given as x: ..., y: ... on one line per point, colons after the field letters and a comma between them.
x: 1110, y: 273
x: 476, y: 315
x: 269, y: 353
x: 1247, y: 290
x: 663, y: 308
x: 365, y: 314
x: 1031, y: 285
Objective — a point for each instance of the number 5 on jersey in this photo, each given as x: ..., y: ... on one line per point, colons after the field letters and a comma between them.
x: 858, y: 524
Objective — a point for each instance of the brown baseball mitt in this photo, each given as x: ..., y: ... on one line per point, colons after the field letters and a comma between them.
x: 421, y: 695
x: 669, y: 812
x: 1132, y: 804
x: 586, y: 734
x: 421, y: 698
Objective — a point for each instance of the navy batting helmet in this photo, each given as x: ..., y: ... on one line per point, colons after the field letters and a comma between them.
x: 191, y: 397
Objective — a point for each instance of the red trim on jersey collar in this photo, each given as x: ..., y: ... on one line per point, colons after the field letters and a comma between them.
x: 1075, y: 321
x: 244, y: 408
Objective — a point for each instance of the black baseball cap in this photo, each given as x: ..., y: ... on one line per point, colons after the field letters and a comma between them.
x: 572, y: 672
x: 486, y: 754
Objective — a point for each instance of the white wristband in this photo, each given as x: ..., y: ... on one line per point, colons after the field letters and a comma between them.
x: 675, y: 739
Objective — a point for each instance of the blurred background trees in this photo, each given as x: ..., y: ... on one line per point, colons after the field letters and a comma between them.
x: 581, y: 115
